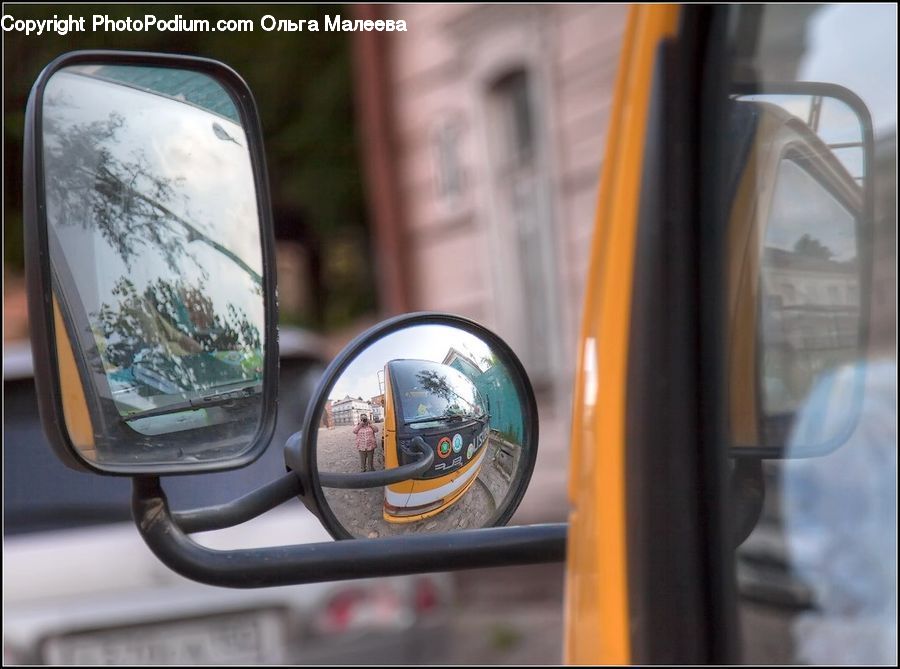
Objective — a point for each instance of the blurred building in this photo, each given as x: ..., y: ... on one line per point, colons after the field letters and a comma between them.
x: 348, y: 410
x: 327, y: 416
x: 883, y: 306
x: 483, y: 129
x: 377, y: 404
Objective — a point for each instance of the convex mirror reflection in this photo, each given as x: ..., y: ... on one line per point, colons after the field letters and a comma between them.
x: 432, y: 394
x: 154, y: 238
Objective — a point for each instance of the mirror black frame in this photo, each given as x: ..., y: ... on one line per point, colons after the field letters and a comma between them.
x: 39, y: 278
x: 864, y: 230
x: 300, y: 453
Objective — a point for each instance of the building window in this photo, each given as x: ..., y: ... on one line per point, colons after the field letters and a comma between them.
x: 449, y: 176
x: 790, y: 295
x: 513, y: 97
x: 522, y: 218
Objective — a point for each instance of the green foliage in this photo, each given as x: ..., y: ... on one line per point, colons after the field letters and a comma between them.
x: 174, y: 316
x: 302, y: 83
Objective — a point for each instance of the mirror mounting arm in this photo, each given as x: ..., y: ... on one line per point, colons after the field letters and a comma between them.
x: 240, y: 510
x: 384, y: 477
x: 341, y: 560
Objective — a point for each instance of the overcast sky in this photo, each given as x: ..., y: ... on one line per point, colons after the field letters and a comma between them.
x: 420, y: 342
x: 856, y: 47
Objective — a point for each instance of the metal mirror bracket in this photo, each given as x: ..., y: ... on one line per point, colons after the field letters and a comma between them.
x: 339, y: 560
x: 241, y: 509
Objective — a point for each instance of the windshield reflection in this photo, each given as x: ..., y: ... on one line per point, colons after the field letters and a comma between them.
x: 432, y: 391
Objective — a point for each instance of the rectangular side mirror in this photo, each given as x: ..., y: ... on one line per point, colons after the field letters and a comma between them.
x: 799, y: 236
x: 149, y: 264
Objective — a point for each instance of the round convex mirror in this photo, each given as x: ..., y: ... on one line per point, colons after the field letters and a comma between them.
x: 426, y: 423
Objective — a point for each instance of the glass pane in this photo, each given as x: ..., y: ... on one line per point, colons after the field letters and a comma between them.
x: 812, y: 254
x: 157, y: 266
x: 810, y: 288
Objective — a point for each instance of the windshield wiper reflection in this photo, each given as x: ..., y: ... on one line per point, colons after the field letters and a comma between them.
x: 202, y: 402
x: 447, y: 417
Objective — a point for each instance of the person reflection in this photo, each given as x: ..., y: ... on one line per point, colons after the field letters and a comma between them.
x: 365, y: 443
x: 840, y: 516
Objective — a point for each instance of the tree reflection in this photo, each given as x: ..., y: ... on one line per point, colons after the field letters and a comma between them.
x: 489, y: 360
x: 125, y: 200
x: 437, y: 385
x: 172, y: 334
x: 811, y: 247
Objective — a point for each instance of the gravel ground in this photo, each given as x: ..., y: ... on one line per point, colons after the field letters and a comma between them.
x: 360, y: 511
